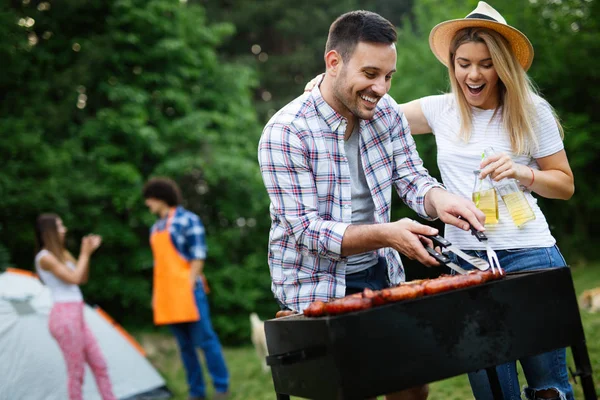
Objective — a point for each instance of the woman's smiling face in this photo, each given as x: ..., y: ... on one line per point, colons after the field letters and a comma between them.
x: 475, y: 73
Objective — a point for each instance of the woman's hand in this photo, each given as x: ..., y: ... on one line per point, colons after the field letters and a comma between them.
x: 90, y: 243
x: 500, y: 166
x: 313, y: 82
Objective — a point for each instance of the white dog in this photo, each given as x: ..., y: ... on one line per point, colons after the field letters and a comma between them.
x: 590, y: 300
x: 259, y: 339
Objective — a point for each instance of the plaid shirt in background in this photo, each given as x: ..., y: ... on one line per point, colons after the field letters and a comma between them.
x: 305, y: 170
x: 187, y: 234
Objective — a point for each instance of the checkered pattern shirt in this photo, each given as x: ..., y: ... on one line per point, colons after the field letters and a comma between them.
x: 305, y: 171
x: 187, y: 233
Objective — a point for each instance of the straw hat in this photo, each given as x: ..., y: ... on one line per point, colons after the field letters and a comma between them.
x: 486, y: 17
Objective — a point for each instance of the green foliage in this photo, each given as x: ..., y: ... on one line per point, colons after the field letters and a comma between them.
x: 286, y: 43
x: 114, y: 94
x: 4, y: 257
x: 99, y: 96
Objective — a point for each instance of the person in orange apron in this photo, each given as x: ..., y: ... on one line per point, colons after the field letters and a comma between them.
x: 179, y: 288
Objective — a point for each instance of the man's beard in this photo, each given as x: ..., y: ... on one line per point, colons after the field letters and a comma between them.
x: 349, y: 100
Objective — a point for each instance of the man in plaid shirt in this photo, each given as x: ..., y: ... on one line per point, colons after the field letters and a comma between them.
x: 329, y: 160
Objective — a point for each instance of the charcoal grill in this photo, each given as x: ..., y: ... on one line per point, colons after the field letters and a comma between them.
x: 400, y: 345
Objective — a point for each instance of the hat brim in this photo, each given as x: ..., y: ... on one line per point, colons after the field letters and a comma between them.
x: 442, y: 34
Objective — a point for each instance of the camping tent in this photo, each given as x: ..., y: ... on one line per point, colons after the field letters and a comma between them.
x: 32, y: 366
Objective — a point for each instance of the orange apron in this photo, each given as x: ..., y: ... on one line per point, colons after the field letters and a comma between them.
x: 173, y: 293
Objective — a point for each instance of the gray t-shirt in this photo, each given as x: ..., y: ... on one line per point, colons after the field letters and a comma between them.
x: 363, y: 208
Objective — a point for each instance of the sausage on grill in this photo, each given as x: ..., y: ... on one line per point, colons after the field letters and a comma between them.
x: 315, y: 309
x: 402, y: 292
x: 375, y: 296
x: 347, y: 304
x: 284, y: 313
x: 418, y: 286
x: 441, y: 284
x: 405, y: 291
x: 489, y: 275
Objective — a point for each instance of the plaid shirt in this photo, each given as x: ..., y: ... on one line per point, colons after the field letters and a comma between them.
x: 187, y: 233
x: 305, y: 170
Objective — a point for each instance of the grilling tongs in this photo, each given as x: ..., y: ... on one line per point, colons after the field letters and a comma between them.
x: 442, y: 242
x: 442, y: 259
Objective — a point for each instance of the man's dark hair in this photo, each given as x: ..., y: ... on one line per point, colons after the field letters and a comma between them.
x: 358, y: 26
x: 164, y: 189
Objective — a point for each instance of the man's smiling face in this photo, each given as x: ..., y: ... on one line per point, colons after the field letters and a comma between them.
x: 364, y: 79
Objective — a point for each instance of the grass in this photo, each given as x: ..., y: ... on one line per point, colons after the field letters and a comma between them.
x: 249, y: 382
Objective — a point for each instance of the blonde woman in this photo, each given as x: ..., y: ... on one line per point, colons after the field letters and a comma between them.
x: 63, y: 274
x: 493, y: 103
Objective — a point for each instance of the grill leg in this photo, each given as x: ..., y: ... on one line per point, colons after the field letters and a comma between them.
x: 494, y: 383
x: 584, y: 370
x: 282, y: 396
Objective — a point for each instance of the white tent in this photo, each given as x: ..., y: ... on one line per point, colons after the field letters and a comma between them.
x: 31, y: 364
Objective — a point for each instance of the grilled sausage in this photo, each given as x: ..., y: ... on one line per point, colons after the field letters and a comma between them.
x: 489, y: 275
x: 315, y: 309
x: 346, y: 305
x: 408, y: 290
x: 462, y: 281
x: 441, y: 284
x: 284, y: 313
x: 418, y: 286
x: 475, y: 278
x: 402, y: 292
x: 375, y: 295
x: 368, y: 293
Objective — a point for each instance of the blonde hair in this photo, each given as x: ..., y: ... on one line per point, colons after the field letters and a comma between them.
x: 46, y: 232
x: 515, y: 91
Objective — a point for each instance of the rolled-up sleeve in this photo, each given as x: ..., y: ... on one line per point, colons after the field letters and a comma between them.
x: 195, y: 238
x: 411, y: 178
x: 292, y: 190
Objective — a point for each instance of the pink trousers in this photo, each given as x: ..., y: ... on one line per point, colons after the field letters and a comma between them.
x: 79, y: 346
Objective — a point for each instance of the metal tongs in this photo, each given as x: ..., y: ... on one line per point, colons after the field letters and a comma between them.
x: 444, y: 260
x: 444, y: 243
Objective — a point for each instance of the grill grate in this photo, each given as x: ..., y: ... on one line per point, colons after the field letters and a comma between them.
x: 401, y: 345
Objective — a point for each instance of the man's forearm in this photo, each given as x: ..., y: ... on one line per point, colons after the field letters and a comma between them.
x: 362, y: 238
x: 196, y: 268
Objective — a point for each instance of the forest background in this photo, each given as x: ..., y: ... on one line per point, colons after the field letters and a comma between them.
x: 98, y: 96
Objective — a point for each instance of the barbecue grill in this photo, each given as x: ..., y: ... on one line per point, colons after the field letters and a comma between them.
x: 400, y: 345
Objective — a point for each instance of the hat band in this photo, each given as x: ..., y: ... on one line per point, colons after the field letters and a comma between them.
x: 481, y: 16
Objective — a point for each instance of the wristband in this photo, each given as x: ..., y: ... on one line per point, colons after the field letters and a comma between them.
x: 532, y: 177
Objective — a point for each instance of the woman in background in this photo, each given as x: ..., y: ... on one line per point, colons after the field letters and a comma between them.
x: 63, y: 274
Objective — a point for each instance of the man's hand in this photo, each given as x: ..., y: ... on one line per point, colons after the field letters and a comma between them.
x: 196, y: 271
x: 406, y: 236
x: 448, y: 207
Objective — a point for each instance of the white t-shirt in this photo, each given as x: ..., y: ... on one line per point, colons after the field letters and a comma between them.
x: 457, y: 160
x: 62, y: 292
